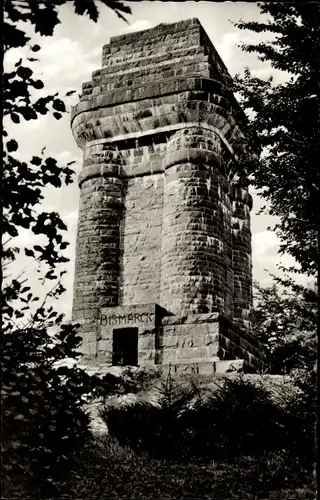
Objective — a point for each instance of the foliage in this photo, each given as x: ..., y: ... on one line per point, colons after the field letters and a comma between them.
x: 240, y: 417
x: 109, y: 470
x: 155, y: 427
x: 284, y: 122
x: 43, y: 399
x: 23, y: 182
x: 43, y: 403
x: 44, y: 16
x: 140, y: 378
x: 302, y: 417
x: 285, y: 322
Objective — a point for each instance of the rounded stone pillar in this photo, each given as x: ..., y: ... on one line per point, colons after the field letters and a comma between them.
x: 192, y: 257
x: 96, y: 281
x: 241, y: 254
x: 228, y: 275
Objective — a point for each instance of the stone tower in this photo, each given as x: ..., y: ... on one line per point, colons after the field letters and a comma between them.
x: 163, y: 261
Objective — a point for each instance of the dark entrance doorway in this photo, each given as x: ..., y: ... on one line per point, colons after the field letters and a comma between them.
x: 125, y: 347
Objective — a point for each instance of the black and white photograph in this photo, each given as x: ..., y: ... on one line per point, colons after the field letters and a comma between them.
x: 160, y: 214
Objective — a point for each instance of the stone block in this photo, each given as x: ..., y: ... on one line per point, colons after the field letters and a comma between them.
x: 105, y: 345
x: 88, y: 348
x: 229, y: 366
x: 202, y: 368
x: 146, y: 355
x: 146, y: 342
x: 169, y: 341
x: 160, y: 220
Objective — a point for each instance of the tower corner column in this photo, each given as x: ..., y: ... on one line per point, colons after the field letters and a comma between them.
x: 96, y: 281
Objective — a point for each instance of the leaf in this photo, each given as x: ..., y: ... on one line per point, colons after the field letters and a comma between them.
x: 12, y: 145
x: 57, y: 116
x: 45, y: 20
x: 50, y: 275
x: 24, y: 72
x: 55, y: 181
x: 118, y: 8
x: 28, y: 113
x: 35, y: 48
x: 15, y: 118
x: 13, y: 37
x: 28, y: 252
x: 38, y: 84
x: 86, y: 8
x: 51, y: 162
x: 59, y: 105
x: 36, y: 160
x: 71, y: 92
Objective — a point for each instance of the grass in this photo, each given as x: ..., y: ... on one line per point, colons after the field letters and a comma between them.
x: 106, y: 470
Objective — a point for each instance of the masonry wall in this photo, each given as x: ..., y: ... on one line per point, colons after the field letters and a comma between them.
x: 241, y: 255
x: 161, y: 218
x: 141, y: 230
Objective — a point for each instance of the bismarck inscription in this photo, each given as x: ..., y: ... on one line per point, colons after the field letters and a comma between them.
x: 126, y: 319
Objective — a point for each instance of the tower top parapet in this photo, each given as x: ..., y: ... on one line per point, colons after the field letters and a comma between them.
x: 163, y: 32
x: 160, y: 29
x: 170, y: 61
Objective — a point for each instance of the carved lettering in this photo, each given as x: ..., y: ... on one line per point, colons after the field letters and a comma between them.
x: 122, y: 320
x: 103, y: 320
x: 126, y: 319
x: 137, y: 317
x: 113, y: 320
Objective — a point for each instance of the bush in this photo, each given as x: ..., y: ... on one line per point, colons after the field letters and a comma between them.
x: 240, y: 418
x: 44, y: 418
x: 153, y: 427
x: 301, y: 418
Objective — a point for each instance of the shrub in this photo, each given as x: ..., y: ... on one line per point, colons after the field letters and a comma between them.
x: 44, y: 418
x: 240, y: 418
x: 156, y: 428
x: 301, y: 418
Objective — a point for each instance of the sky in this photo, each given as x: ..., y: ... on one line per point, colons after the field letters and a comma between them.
x: 68, y: 58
